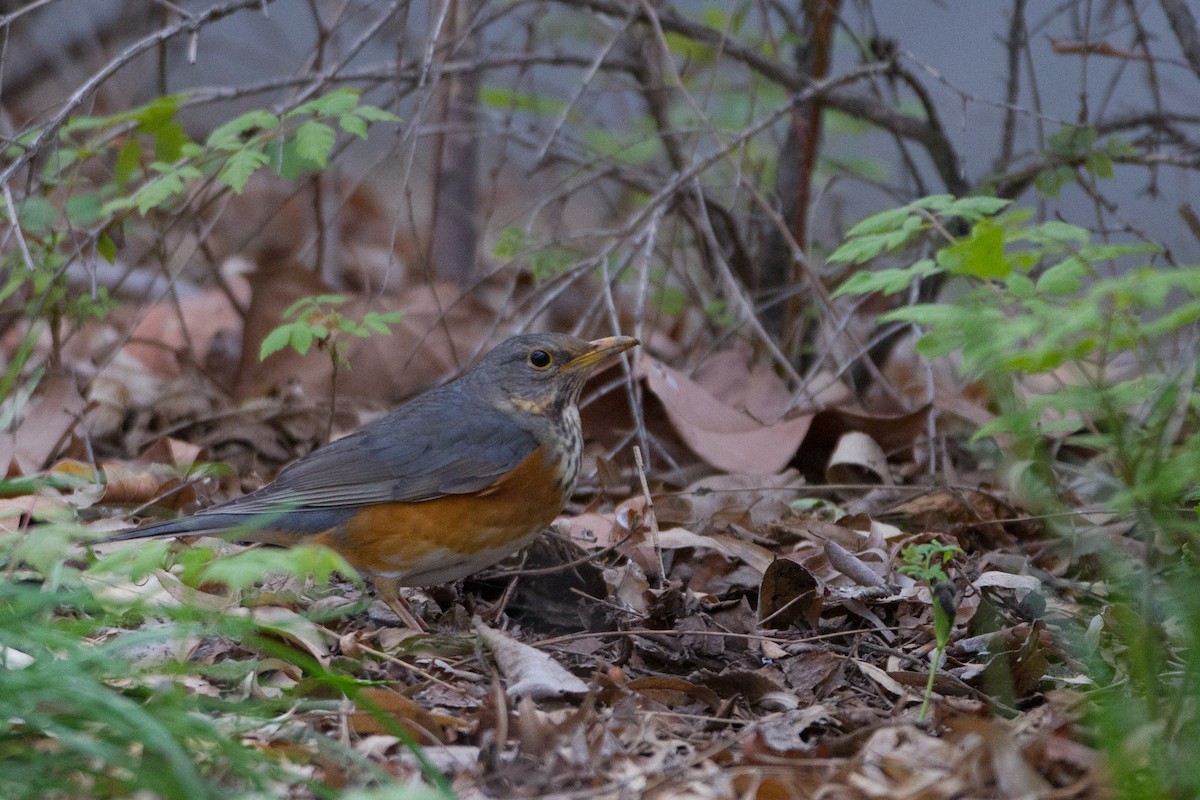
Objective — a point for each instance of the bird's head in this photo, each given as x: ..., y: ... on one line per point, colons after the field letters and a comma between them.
x: 544, y: 373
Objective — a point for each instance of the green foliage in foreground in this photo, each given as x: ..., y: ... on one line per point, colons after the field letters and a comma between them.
x: 1110, y: 336
x: 95, y: 693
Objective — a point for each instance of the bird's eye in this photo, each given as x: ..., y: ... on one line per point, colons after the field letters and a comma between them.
x: 539, y: 359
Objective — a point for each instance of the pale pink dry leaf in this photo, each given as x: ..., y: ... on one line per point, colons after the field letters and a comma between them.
x: 46, y: 423
x: 167, y: 330
x: 756, y: 556
x: 529, y: 672
x: 726, y: 438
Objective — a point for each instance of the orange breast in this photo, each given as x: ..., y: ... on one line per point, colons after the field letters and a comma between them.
x: 437, y: 536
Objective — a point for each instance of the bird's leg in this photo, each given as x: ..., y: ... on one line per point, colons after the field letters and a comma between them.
x: 388, y: 590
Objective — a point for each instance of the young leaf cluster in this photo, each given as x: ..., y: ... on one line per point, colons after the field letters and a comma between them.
x: 315, y: 320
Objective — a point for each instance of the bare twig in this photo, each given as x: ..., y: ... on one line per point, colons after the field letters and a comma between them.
x: 651, y: 519
x: 68, y: 107
x: 1183, y: 24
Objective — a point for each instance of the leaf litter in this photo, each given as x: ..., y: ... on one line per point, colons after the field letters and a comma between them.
x: 744, y: 631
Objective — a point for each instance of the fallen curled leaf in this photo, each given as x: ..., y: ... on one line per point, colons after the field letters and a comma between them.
x: 786, y: 736
x: 881, y: 677
x: 895, y: 434
x: 530, y: 672
x: 728, y: 439
x: 756, y: 556
x: 423, y: 725
x: 290, y: 626
x: 852, y: 566
x: 857, y: 459
x: 159, y: 588
x: 674, y: 692
x: 789, y: 592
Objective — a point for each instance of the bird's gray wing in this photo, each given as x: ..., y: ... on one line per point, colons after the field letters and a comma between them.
x: 440, y: 444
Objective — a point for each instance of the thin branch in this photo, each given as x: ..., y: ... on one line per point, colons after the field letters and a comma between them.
x: 1183, y: 24
x: 81, y: 94
x: 1012, y: 93
x: 941, y: 152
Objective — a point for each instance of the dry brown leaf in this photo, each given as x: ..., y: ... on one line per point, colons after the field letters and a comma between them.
x: 895, y: 435
x: 740, y: 380
x: 729, y: 439
x: 424, y: 726
x: 784, y: 737
x: 789, y: 592
x: 750, y: 502
x: 756, y: 556
x: 674, y: 692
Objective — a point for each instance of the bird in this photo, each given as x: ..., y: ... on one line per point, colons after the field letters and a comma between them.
x: 445, y: 485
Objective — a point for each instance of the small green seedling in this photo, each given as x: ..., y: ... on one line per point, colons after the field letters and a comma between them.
x: 924, y: 562
x: 315, y: 320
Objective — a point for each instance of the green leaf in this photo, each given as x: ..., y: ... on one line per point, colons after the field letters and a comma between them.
x: 275, y: 341
x: 314, y: 140
x: 375, y: 114
x: 860, y: 249
x: 882, y: 222
x: 353, y: 125
x: 236, y: 171
x: 169, y: 141
x: 333, y: 104
x: 157, y: 192
x: 1066, y: 277
x: 975, y: 207
x: 1071, y: 140
x: 943, y: 612
x: 244, y: 569
x: 155, y: 115
x: 1099, y: 164
x: 511, y: 241
x: 671, y: 300
x: 107, y: 248
x: 1053, y: 232
x: 83, y: 209
x: 980, y: 255
x: 38, y: 215
x: 1110, y: 252
x: 630, y: 147
x: 1050, y: 182
x: 887, y: 281
x: 301, y: 337
x: 230, y: 135
x: 934, y: 202
x: 505, y: 98
x: 129, y: 160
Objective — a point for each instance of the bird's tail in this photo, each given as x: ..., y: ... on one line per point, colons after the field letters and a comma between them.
x: 199, y: 523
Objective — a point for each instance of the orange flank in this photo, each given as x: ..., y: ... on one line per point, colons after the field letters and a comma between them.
x: 394, y: 539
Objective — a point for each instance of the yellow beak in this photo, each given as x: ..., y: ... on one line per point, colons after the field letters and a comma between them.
x: 601, y: 350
